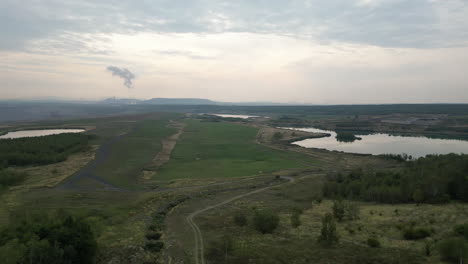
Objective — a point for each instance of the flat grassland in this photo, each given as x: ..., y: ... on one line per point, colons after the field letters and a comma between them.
x: 223, y: 150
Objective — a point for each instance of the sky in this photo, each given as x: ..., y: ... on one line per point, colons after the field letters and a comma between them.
x: 289, y: 51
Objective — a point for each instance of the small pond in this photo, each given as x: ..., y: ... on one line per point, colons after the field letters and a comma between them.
x: 39, y: 133
x: 385, y: 144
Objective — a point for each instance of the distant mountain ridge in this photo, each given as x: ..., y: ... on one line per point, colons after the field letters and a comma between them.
x: 179, y: 101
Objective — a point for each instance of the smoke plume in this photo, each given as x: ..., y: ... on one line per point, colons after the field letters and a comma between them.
x: 123, y: 73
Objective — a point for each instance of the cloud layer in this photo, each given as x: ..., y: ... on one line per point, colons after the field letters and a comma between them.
x: 313, y: 51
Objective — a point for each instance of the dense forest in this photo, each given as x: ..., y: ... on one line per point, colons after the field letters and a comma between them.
x: 57, y: 238
x: 433, y: 179
x: 41, y: 150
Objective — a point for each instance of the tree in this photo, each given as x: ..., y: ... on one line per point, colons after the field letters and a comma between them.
x: 338, y: 209
x: 328, y: 234
x: 295, y: 220
x: 265, y: 221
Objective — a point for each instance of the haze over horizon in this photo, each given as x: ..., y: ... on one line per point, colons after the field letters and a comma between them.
x: 308, y: 51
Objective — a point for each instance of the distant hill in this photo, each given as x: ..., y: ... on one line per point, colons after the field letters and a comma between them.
x: 179, y: 101
x: 120, y: 101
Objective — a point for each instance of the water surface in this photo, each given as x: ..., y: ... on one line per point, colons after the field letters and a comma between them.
x: 385, y: 144
x: 235, y: 116
x: 39, y: 133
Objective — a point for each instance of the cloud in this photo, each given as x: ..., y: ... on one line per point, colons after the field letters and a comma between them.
x: 390, y: 23
x: 181, y: 53
x: 124, y: 74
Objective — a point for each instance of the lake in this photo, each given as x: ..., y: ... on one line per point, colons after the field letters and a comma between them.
x: 385, y: 144
x: 234, y: 116
x: 39, y: 133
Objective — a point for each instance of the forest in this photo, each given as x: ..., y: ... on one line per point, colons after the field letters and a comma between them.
x: 41, y: 238
x: 41, y: 150
x: 432, y: 179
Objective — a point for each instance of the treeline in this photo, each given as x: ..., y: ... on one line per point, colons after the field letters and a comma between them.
x: 57, y: 238
x: 433, y: 179
x: 41, y: 150
x: 10, y: 178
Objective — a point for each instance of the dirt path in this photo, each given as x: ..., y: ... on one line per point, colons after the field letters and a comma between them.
x: 88, y: 170
x: 167, y: 146
x: 199, y: 245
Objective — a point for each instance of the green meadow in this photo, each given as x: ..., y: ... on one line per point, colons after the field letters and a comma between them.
x: 222, y: 150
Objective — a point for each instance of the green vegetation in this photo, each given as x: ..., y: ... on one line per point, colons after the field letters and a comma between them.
x: 328, y: 234
x: 41, y: 150
x: 346, y: 137
x: 413, y: 233
x: 219, y: 150
x: 265, y: 221
x: 295, y: 218
x: 433, y: 179
x: 461, y: 230
x: 130, y: 154
x: 454, y: 250
x: 10, y: 178
x: 344, y: 210
x: 58, y: 238
x: 240, y: 219
x: 373, y: 242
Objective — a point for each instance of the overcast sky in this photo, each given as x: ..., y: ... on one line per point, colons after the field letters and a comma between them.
x: 302, y: 51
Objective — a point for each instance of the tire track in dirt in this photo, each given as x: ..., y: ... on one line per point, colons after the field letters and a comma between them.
x: 199, y: 245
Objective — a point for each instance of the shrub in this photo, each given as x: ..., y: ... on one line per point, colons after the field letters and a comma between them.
x: 373, y: 242
x: 153, y: 236
x: 328, y: 234
x: 338, y: 209
x: 416, y: 233
x: 295, y: 220
x: 461, y: 230
x: 154, y: 246
x: 10, y: 178
x: 240, y: 219
x: 265, y: 221
x: 454, y: 250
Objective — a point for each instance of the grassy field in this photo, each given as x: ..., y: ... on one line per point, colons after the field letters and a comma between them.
x: 128, y: 156
x: 223, y: 150
x: 299, y: 245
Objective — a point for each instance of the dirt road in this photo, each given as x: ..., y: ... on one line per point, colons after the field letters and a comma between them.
x: 199, y: 246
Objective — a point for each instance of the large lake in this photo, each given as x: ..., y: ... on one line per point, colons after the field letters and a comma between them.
x: 39, y: 133
x: 385, y: 144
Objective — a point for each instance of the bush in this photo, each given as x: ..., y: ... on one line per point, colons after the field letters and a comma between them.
x: 240, y: 219
x: 295, y: 220
x: 328, y: 234
x: 454, y: 250
x: 416, y: 233
x: 153, y: 236
x: 154, y: 246
x: 373, y: 242
x: 461, y: 230
x: 344, y: 210
x: 338, y: 209
x: 265, y: 221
